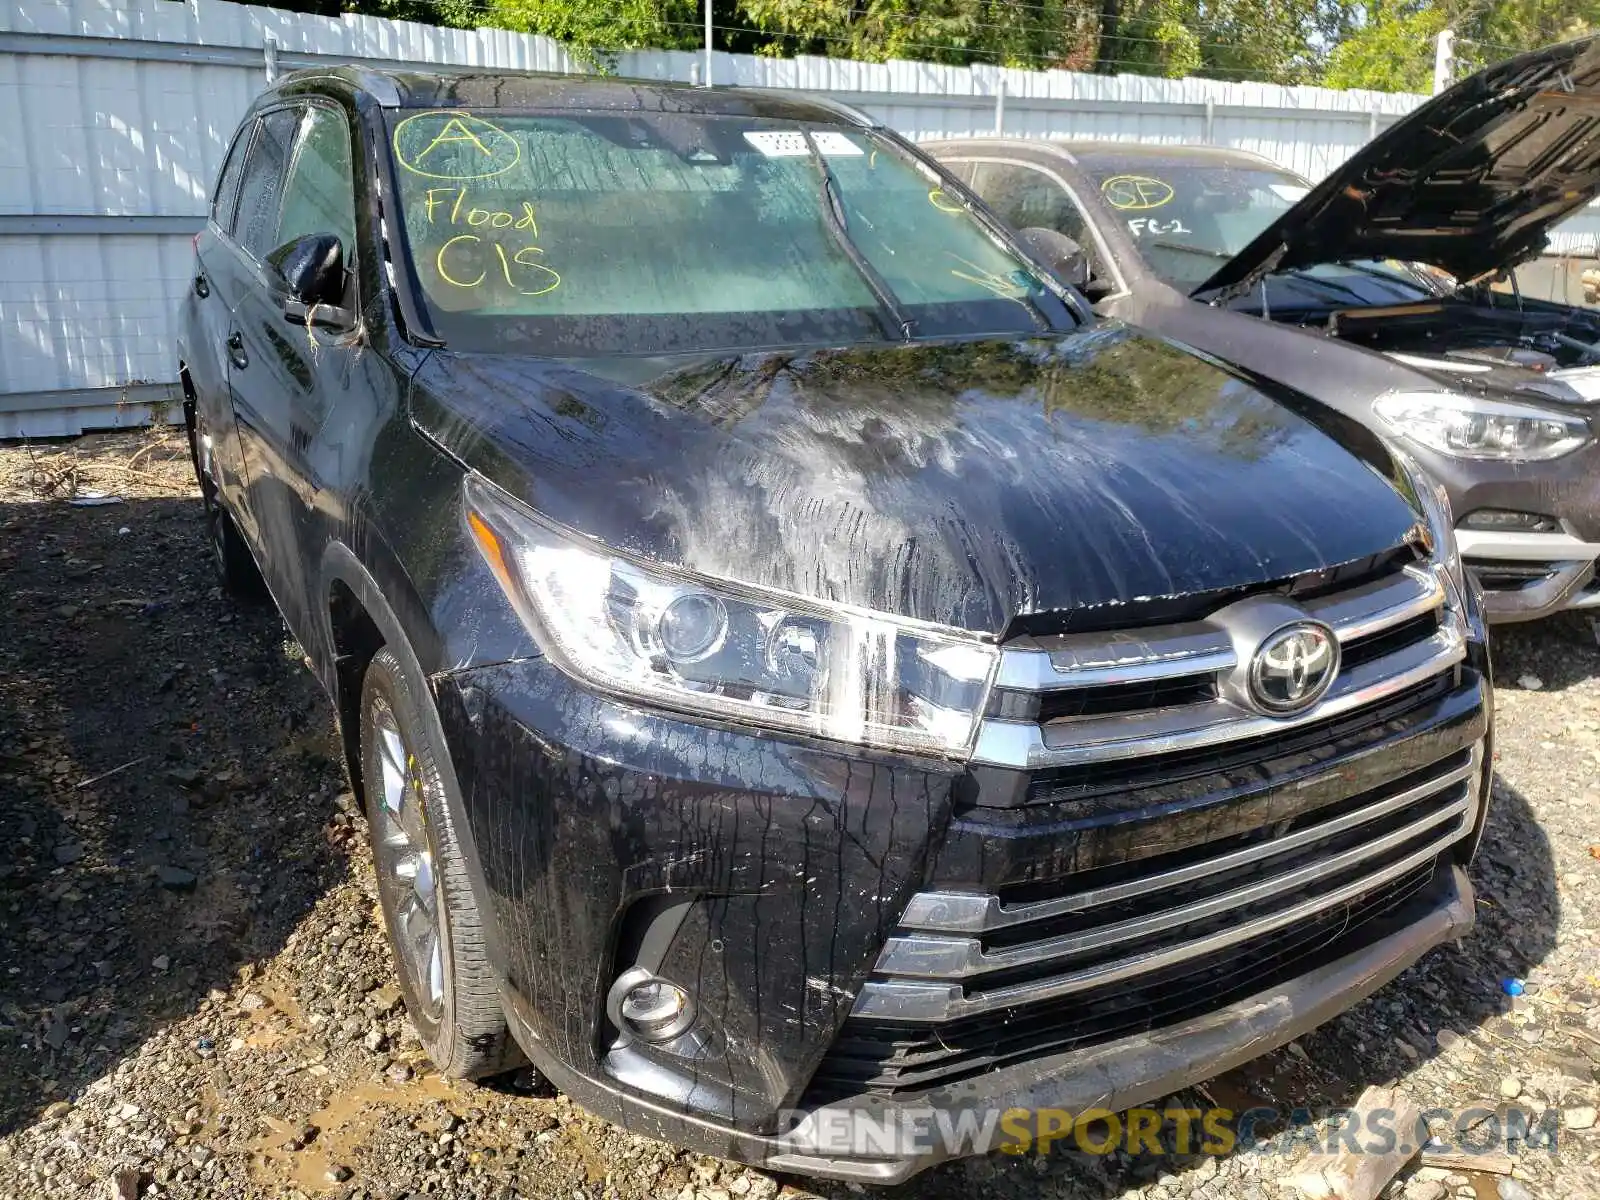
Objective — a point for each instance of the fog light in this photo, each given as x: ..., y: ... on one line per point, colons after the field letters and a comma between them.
x: 1500, y: 519
x: 648, y: 1007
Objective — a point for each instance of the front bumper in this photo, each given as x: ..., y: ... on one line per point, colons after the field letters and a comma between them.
x: 1526, y: 575
x: 846, y: 1140
x: 769, y: 874
x: 1530, y: 575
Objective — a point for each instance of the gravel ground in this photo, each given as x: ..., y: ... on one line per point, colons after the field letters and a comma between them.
x: 197, y: 1000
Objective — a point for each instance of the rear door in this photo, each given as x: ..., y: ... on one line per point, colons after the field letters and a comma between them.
x: 209, y: 304
x: 236, y: 275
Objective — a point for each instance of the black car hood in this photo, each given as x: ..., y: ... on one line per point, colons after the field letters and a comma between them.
x: 963, y: 483
x: 1470, y: 182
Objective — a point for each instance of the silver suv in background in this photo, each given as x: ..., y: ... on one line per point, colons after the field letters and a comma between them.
x: 1382, y: 292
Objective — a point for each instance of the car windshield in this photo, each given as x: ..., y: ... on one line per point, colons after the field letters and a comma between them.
x: 581, y: 233
x: 1188, y: 217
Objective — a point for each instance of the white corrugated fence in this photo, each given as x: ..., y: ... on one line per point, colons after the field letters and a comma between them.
x: 116, y: 114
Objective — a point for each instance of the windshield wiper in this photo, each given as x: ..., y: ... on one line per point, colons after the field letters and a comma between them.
x: 1409, y: 276
x: 833, y: 208
x: 1204, y: 251
x: 1328, y: 285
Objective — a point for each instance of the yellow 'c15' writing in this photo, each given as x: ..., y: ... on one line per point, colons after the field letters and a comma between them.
x: 520, y: 258
x: 449, y: 207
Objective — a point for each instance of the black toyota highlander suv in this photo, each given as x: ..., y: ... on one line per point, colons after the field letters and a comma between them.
x: 797, y: 665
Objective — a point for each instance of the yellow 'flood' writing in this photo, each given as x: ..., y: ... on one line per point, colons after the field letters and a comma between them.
x: 495, y: 218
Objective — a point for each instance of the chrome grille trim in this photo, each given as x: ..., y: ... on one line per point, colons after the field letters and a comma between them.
x: 971, y: 912
x: 929, y: 1001
x: 1379, y: 605
x: 1199, y: 647
x: 1068, y: 742
x: 1098, y: 659
x: 936, y: 956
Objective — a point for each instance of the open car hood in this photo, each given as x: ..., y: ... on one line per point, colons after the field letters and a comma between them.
x: 1470, y: 182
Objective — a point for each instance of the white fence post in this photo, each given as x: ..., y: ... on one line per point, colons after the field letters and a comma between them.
x: 708, y: 43
x: 1444, y: 60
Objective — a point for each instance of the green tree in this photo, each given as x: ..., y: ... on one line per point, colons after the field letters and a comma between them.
x: 1388, y: 45
x: 590, y: 27
x: 1022, y: 33
x: 1382, y: 44
x: 1221, y: 39
x: 1493, y: 32
x: 1390, y: 50
x: 459, y: 13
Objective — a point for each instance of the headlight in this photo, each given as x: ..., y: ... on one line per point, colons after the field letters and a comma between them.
x: 726, y: 650
x: 1469, y: 427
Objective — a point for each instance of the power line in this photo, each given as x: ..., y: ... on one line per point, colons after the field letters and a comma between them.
x: 987, y: 56
x: 948, y: 46
x: 1510, y: 50
x: 971, y: 55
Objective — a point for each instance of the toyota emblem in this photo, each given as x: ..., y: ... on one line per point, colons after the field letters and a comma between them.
x: 1293, y: 667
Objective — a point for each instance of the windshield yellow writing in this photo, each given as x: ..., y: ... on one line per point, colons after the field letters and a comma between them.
x: 542, y: 277
x: 454, y: 145
x: 1004, y: 286
x: 1135, y: 192
x: 460, y: 259
x: 520, y: 217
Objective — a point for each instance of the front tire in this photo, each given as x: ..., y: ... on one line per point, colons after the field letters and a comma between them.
x: 435, y: 928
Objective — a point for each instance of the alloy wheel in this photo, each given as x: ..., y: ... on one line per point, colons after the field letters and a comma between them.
x: 407, y: 875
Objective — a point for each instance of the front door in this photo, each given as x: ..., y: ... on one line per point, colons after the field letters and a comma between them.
x: 287, y: 377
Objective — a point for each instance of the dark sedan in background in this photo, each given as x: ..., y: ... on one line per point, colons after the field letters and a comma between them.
x: 1376, y: 285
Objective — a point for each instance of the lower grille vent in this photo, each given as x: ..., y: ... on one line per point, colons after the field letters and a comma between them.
x: 884, y: 1058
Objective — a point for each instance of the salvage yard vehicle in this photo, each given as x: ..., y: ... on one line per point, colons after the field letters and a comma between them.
x: 1395, y: 253
x: 801, y: 670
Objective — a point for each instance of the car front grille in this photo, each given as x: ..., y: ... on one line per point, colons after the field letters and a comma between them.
x: 1219, y: 849
x: 1496, y: 573
x: 1063, y: 700
x: 890, y: 1058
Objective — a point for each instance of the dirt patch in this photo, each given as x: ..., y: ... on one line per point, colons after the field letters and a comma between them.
x: 101, y: 468
x: 306, y: 1155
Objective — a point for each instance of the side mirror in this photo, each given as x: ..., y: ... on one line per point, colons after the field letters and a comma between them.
x: 312, y: 270
x: 1061, y: 254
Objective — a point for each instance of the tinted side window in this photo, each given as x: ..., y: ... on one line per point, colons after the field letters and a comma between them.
x: 261, y: 188
x: 320, y: 194
x: 225, y: 198
x: 1025, y: 198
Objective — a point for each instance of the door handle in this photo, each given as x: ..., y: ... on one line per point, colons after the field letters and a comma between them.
x: 202, y: 286
x: 236, y: 354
